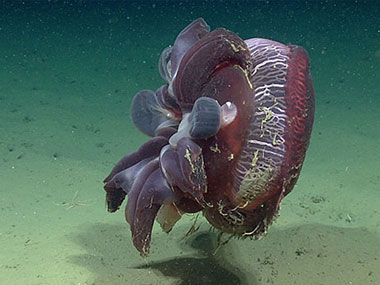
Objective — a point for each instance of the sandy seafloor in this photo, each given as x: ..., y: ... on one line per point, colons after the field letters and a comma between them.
x: 68, y: 72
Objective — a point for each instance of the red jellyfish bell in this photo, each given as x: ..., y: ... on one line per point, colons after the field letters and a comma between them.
x: 229, y: 133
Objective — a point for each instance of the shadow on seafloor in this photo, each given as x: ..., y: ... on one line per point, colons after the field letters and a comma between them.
x: 282, y: 254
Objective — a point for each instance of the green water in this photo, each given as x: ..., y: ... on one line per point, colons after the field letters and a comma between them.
x: 68, y: 72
